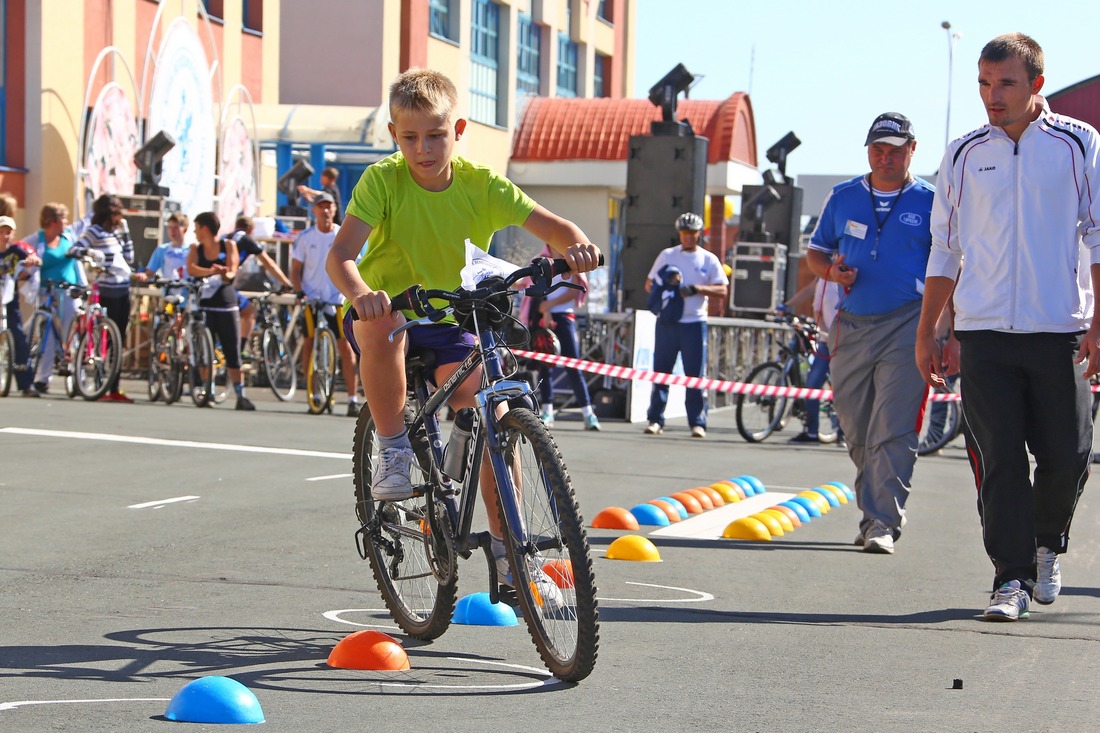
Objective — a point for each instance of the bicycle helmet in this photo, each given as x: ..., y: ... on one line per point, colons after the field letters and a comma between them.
x: 690, y: 222
x: 545, y: 341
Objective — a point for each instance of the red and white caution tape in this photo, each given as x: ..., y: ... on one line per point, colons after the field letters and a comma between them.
x: 679, y: 380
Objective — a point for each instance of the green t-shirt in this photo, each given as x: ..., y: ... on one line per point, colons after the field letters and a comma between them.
x: 418, y: 236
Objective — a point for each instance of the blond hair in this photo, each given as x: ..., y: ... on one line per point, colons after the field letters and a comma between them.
x: 8, y: 204
x: 52, y: 212
x: 423, y: 90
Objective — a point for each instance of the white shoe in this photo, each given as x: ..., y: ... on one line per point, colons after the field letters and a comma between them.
x: 393, y: 481
x: 1008, y: 603
x: 698, y: 432
x: 547, y: 418
x: 552, y: 599
x: 878, y: 539
x: 653, y: 429
x: 1049, y: 583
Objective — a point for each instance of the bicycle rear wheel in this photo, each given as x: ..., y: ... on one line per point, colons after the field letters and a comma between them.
x: 7, y: 361
x: 158, y: 364
x: 200, y: 369
x: 279, y: 366
x: 321, y: 374
x: 828, y: 423
x: 550, y: 545
x: 940, y: 424
x: 98, y: 359
x: 408, y: 544
x: 759, y: 415
x: 36, y: 339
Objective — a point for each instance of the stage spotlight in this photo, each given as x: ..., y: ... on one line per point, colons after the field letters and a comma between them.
x: 778, y: 153
x: 149, y: 160
x: 289, y: 181
x: 664, y: 93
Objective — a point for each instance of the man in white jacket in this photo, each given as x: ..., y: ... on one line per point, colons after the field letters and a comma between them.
x: 1019, y: 200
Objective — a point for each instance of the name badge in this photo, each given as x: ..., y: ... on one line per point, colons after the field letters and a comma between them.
x: 855, y: 229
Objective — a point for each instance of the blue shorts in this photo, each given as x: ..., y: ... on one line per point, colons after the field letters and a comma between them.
x: 448, y: 342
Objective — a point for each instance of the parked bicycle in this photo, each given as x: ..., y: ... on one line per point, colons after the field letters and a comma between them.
x: 323, y: 362
x: 413, y: 546
x: 760, y: 415
x: 7, y: 338
x: 269, y: 345
x: 89, y: 356
x: 941, y: 422
x: 183, y: 349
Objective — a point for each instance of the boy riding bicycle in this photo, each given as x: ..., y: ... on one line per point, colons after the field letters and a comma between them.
x: 414, y: 210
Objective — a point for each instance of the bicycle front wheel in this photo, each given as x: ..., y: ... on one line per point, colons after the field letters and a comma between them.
x: 939, y: 425
x: 7, y: 361
x: 321, y: 375
x: 279, y: 366
x: 408, y: 544
x: 548, y: 553
x: 759, y: 415
x: 36, y: 340
x: 98, y: 359
x: 158, y: 365
x: 201, y: 367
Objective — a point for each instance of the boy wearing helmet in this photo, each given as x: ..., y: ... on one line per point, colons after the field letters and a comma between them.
x: 700, y: 276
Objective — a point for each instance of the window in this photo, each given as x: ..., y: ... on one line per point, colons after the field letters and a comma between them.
x: 439, y: 23
x: 3, y: 80
x: 603, y: 11
x: 485, y: 62
x: 254, y: 15
x: 528, y: 62
x: 599, y: 76
x: 567, y: 67
x: 215, y: 8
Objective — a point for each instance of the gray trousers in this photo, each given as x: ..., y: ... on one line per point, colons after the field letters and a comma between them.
x: 879, y: 395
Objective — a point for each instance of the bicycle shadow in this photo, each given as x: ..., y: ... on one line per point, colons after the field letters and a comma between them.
x: 268, y: 658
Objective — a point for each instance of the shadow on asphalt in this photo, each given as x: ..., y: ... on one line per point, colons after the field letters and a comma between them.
x: 658, y: 614
x: 740, y: 545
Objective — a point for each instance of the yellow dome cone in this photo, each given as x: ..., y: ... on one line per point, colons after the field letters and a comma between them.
x: 633, y: 547
x: 747, y: 528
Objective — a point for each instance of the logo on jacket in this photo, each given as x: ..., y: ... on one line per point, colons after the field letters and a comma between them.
x: 913, y: 220
x: 987, y: 168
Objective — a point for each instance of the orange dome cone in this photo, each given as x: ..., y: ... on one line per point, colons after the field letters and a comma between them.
x: 368, y: 650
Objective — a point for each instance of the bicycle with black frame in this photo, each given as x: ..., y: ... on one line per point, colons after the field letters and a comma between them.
x: 414, y: 545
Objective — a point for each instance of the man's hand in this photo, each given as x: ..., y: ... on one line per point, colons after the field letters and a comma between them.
x: 372, y: 305
x: 1090, y: 351
x: 841, y: 273
x: 929, y: 360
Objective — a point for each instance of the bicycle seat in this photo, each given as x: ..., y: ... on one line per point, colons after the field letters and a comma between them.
x: 419, y: 360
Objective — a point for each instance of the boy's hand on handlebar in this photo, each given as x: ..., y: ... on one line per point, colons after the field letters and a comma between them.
x: 372, y: 306
x: 583, y: 257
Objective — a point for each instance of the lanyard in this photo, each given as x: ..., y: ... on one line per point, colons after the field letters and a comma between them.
x: 880, y: 223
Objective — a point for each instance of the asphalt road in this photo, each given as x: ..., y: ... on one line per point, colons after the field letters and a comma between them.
x: 117, y: 590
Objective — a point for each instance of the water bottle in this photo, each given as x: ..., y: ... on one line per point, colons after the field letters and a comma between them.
x: 458, y: 447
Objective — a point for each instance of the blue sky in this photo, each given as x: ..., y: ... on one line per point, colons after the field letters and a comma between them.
x: 826, y: 69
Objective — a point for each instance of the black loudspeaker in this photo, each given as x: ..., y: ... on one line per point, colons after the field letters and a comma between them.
x: 758, y: 283
x: 665, y: 177
x: 147, y: 218
x: 782, y: 220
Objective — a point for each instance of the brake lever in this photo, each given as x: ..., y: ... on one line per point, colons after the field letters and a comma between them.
x: 435, y: 317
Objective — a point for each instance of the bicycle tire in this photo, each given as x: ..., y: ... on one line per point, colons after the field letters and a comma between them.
x: 172, y: 383
x: 158, y: 364
x: 7, y: 361
x: 758, y: 416
x: 36, y: 336
x: 321, y: 373
x: 932, y: 436
x: 279, y: 366
x: 98, y: 359
x: 567, y: 638
x: 408, y: 543
x: 200, y: 368
x: 221, y: 375
x: 827, y: 424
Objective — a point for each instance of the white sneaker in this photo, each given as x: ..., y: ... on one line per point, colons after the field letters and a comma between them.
x: 552, y: 599
x: 698, y: 432
x: 653, y: 429
x: 547, y: 418
x: 393, y: 481
x: 878, y: 539
x: 1049, y: 584
x: 1008, y: 603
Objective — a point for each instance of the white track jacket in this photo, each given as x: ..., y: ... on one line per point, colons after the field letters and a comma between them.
x: 1025, y: 219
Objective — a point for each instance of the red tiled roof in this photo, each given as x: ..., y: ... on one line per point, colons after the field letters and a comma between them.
x: 555, y: 128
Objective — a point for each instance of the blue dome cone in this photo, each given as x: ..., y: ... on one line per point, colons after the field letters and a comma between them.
x: 676, y: 504
x: 811, y: 507
x: 476, y: 610
x: 829, y: 496
x: 843, y: 487
x: 214, y: 700
x: 799, y: 509
x: 757, y: 484
x: 649, y: 514
x: 745, y: 485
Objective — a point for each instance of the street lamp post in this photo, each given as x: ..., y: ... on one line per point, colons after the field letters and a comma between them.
x: 952, y: 39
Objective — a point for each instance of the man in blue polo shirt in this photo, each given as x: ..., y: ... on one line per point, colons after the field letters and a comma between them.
x: 873, y: 238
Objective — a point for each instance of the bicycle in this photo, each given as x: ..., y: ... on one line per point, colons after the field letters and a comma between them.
x: 279, y: 366
x: 413, y: 546
x: 941, y: 422
x: 183, y: 349
x: 321, y: 369
x: 759, y: 415
x: 7, y: 338
x: 89, y: 356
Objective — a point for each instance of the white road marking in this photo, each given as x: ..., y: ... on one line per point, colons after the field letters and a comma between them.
x: 21, y: 703
x: 161, y: 502
x: 710, y: 524
x: 107, y: 437
x: 699, y: 597
x: 331, y: 476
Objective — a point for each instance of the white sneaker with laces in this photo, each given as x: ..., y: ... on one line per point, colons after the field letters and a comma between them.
x: 552, y: 599
x: 878, y: 539
x: 393, y: 481
x: 1049, y: 584
x: 653, y: 429
x: 1008, y: 603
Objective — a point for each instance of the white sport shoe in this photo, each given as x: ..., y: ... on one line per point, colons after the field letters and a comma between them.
x: 698, y: 432
x: 1049, y: 584
x: 878, y: 539
x: 1008, y: 603
x: 653, y: 429
x: 547, y: 418
x: 393, y: 481
x: 552, y: 599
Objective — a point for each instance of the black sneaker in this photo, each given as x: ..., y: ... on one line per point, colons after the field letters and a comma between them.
x: 353, y: 409
x: 243, y: 403
x: 30, y: 392
x: 804, y: 437
x: 41, y: 387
